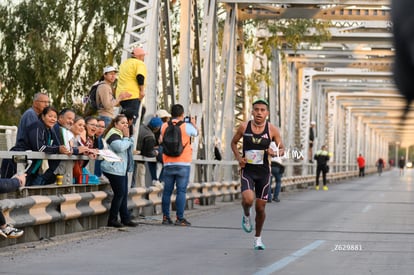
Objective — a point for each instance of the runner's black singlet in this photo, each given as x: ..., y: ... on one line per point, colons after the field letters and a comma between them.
x: 256, y: 174
x: 257, y: 145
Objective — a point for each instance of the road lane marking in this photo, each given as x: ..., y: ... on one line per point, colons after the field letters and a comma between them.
x: 289, y: 259
x: 366, y: 208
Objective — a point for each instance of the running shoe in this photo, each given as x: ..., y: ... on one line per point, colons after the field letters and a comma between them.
x: 182, y: 222
x: 11, y: 232
x: 247, y: 224
x: 325, y: 188
x: 317, y: 187
x: 258, y: 244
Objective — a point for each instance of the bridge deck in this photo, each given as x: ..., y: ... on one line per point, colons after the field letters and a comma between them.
x: 359, y: 226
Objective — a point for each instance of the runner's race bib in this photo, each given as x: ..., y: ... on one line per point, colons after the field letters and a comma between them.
x: 254, y: 156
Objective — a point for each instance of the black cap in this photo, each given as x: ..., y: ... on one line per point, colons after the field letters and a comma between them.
x: 261, y: 100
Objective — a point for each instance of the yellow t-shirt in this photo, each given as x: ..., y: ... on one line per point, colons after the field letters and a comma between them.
x: 127, y: 77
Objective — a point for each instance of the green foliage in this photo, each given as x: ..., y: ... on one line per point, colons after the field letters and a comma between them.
x: 287, y: 34
x: 55, y: 46
x: 282, y: 34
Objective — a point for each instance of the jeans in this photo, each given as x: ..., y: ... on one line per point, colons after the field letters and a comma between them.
x: 152, y: 167
x: 119, y: 204
x: 36, y: 180
x: 97, y: 169
x: 133, y: 105
x: 179, y: 175
x: 276, y: 173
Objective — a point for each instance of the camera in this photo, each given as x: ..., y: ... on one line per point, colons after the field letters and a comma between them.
x: 187, y: 119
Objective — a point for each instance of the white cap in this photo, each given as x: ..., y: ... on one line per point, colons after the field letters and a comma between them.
x: 313, y: 122
x: 109, y: 69
x: 162, y: 113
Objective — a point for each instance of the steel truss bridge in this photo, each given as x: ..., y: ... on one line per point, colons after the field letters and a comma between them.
x: 344, y: 84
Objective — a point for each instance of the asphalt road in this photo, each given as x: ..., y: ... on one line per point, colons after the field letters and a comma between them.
x: 360, y: 226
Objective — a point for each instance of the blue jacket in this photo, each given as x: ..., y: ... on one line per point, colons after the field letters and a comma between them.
x: 41, y: 139
x: 120, y: 146
x: 9, y: 185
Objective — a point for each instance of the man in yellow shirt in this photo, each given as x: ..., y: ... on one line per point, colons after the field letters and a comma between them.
x: 132, y: 79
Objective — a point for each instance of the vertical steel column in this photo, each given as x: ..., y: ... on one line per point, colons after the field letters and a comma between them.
x: 211, y: 95
x: 354, y: 149
x: 186, y: 53
x: 168, y: 93
x: 332, y: 120
x: 305, y: 92
x: 340, y: 135
x: 274, y: 91
x: 348, y: 131
x: 142, y: 30
x: 228, y: 81
x: 360, y: 140
x: 290, y: 94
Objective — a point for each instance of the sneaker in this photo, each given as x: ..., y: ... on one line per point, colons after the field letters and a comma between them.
x: 247, y: 224
x: 276, y: 200
x: 116, y: 224
x: 157, y: 184
x: 317, y: 187
x: 166, y: 220
x: 325, y: 188
x: 11, y: 232
x: 182, y: 222
x: 258, y: 244
x: 130, y: 224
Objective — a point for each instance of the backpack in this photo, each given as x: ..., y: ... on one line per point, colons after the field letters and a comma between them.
x: 91, y: 107
x: 172, y: 143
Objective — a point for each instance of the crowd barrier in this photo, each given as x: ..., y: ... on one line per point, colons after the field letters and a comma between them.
x: 48, y: 211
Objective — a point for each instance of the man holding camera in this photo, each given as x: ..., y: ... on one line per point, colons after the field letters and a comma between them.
x: 177, y: 162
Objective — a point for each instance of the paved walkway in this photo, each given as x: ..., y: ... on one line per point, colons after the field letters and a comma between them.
x: 362, y: 226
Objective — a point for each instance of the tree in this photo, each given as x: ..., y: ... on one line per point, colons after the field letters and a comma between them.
x: 283, y: 34
x: 55, y: 46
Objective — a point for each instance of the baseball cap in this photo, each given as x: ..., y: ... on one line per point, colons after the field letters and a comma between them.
x: 162, y: 113
x: 109, y: 69
x: 313, y: 122
x: 138, y: 51
x: 261, y: 100
x: 155, y: 122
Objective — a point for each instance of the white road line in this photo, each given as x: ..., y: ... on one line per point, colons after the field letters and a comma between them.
x: 289, y: 259
x: 366, y: 208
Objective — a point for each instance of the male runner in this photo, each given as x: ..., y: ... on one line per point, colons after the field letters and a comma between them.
x: 255, y: 166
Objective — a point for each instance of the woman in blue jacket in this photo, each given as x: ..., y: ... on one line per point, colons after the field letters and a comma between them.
x: 41, y: 137
x: 118, y: 140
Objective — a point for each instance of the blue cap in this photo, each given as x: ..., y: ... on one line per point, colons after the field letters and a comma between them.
x: 155, y: 122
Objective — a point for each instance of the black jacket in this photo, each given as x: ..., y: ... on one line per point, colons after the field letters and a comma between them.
x: 322, y: 158
x: 39, y: 139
